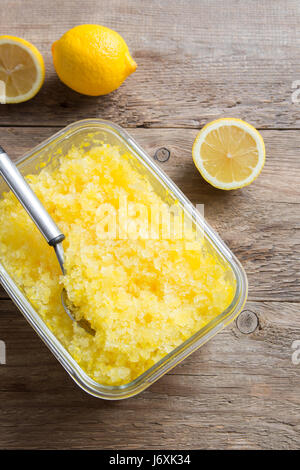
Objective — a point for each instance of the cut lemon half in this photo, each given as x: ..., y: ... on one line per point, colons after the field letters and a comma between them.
x: 22, y: 70
x: 229, y: 153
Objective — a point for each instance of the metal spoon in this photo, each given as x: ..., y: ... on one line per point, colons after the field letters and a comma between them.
x: 42, y: 220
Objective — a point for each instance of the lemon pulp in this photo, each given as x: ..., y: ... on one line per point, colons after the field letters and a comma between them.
x: 22, y: 70
x: 229, y: 153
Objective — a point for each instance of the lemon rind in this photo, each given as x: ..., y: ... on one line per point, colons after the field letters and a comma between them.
x: 38, y: 62
x: 228, y: 122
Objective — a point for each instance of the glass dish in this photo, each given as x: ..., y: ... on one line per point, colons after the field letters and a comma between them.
x: 47, y: 153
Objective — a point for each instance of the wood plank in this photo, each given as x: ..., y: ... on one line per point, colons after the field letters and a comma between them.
x: 260, y: 223
x: 238, y: 391
x: 196, y: 61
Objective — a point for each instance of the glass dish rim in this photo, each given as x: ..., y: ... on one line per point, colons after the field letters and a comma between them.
x: 180, y: 352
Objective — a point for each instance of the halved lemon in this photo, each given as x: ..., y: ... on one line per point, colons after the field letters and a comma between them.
x: 229, y: 153
x: 22, y: 70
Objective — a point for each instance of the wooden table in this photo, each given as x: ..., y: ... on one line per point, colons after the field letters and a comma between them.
x: 197, y: 61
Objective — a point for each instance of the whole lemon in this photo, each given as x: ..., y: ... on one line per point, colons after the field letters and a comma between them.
x: 92, y: 59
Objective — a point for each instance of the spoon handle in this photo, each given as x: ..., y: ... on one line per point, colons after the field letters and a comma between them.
x: 29, y: 200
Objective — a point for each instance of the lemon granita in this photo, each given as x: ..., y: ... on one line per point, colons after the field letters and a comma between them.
x: 143, y: 296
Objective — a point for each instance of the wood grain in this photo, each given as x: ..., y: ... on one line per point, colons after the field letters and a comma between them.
x: 238, y: 391
x: 197, y: 60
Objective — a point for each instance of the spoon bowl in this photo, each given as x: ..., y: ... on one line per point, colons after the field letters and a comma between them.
x: 43, y: 221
